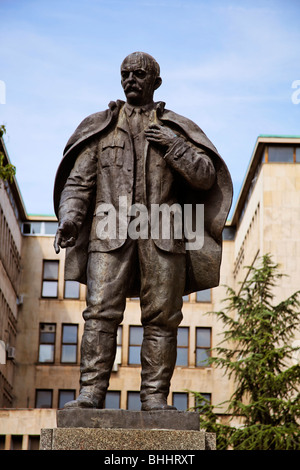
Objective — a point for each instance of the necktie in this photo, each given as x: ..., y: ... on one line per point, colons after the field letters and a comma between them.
x: 136, y: 121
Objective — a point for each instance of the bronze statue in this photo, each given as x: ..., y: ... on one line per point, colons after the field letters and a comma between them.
x: 145, y: 156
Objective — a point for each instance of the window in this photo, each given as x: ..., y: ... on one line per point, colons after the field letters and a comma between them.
x: 186, y: 298
x: 203, y: 345
x: 34, y: 443
x: 200, y: 402
x: 135, y: 343
x: 180, y: 401
x: 182, y: 346
x: 16, y: 442
x: 50, y: 279
x: 71, y: 290
x: 297, y: 154
x: 2, y: 441
x: 69, y: 343
x: 39, y: 228
x: 229, y: 233
x: 280, y: 154
x: 32, y: 228
x: 133, y: 401
x: 64, y: 396
x: 43, y: 399
x: 203, y: 295
x: 112, y: 400
x: 47, y: 342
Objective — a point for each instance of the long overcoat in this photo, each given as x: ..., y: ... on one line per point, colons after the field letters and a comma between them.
x: 203, y: 265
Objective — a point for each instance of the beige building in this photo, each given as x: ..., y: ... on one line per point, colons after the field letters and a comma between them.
x: 46, y: 311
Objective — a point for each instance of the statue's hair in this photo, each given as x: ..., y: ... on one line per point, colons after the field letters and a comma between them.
x: 146, y: 60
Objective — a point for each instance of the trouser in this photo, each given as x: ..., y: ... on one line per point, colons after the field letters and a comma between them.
x: 162, y: 280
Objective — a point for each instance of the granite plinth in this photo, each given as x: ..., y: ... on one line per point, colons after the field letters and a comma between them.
x: 125, y: 439
x: 125, y: 419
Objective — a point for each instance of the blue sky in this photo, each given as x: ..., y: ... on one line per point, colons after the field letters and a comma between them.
x: 227, y: 65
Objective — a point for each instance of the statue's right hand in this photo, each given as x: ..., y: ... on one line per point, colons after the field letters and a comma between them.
x: 66, y: 235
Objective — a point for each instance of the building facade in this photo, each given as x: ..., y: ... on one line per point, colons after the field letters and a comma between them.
x: 46, y: 310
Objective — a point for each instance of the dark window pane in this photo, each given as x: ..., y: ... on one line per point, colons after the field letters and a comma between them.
x: 112, y: 400
x: 297, y: 154
x: 280, y: 154
x: 180, y: 401
x: 186, y: 298
x: 34, y: 443
x: 47, y: 337
x: 2, y: 441
x: 203, y: 401
x: 133, y: 401
x: 16, y: 442
x: 65, y: 396
x: 43, y: 399
x: 26, y: 229
x: 228, y: 233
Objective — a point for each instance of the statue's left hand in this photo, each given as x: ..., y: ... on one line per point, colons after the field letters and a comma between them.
x: 160, y: 135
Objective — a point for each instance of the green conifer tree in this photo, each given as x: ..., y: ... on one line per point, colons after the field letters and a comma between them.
x: 260, y: 357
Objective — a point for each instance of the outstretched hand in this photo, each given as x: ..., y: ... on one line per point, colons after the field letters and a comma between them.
x: 160, y: 135
x: 66, y: 235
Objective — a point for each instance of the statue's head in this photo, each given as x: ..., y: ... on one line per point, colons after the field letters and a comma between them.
x: 140, y: 78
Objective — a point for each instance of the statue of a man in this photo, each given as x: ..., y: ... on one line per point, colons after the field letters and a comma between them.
x: 144, y: 155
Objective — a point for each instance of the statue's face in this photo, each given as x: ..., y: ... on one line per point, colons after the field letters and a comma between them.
x: 139, y: 80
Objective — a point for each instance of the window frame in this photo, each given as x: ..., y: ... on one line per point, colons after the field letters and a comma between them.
x: 206, y: 348
x: 186, y: 395
x: 137, y: 394
x: 187, y: 348
x: 118, y: 394
x: 134, y: 364
x: 50, y: 390
x: 60, y: 394
x: 62, y: 343
x: 46, y: 343
x: 50, y: 280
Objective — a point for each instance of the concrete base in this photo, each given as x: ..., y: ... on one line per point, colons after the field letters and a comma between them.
x: 92, y: 429
x: 125, y: 419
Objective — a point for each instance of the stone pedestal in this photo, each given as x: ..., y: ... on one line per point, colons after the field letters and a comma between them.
x: 122, y: 430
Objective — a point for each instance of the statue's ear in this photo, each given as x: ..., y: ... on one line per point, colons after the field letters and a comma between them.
x: 157, y: 83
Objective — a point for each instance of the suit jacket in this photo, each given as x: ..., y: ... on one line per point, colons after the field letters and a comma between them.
x: 84, y: 181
